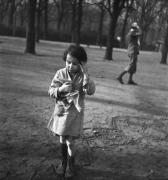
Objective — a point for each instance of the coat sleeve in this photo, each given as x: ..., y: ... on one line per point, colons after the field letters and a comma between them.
x: 55, y: 84
x: 90, y: 87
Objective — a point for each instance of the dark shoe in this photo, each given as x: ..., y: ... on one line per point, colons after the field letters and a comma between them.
x: 132, y: 83
x: 120, y: 80
x: 70, y: 171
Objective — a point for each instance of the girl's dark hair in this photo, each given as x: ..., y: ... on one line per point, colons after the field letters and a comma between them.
x: 77, y: 52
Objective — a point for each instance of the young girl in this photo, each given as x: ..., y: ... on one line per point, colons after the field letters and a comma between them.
x: 68, y: 87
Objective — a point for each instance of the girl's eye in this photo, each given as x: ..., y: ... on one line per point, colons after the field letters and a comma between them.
x: 68, y: 62
x: 74, y: 64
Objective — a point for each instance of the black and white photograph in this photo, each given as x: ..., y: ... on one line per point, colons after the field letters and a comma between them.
x: 83, y: 90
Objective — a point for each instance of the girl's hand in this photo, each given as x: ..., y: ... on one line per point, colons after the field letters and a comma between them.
x: 84, y: 68
x: 66, y: 87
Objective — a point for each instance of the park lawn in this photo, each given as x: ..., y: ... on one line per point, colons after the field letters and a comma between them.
x: 130, y: 122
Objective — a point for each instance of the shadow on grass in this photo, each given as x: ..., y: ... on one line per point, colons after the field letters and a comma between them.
x: 153, y: 110
x: 29, y: 92
x: 154, y: 88
x: 31, y: 149
x: 106, y: 175
x: 128, y: 167
x: 12, y: 53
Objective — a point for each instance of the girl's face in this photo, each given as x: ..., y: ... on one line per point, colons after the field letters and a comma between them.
x: 72, y: 64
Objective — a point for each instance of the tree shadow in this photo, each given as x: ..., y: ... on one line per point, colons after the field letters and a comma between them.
x: 165, y: 89
x: 44, y: 149
x: 44, y: 55
x: 89, y: 174
x: 28, y: 92
x: 128, y: 167
x: 153, y: 110
x: 11, y: 52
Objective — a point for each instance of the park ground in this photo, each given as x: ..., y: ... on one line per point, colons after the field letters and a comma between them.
x: 125, y: 127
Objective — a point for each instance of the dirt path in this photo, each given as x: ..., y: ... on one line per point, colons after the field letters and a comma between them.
x: 125, y: 126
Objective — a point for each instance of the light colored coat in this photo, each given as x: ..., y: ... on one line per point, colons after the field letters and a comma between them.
x: 133, y: 50
x: 133, y: 42
x: 67, y: 119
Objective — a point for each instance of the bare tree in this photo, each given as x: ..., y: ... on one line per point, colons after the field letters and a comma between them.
x: 114, y: 9
x: 16, y: 12
x: 165, y: 44
x: 11, y: 13
x: 129, y: 8
x: 60, y: 9
x: 39, y: 13
x: 147, y: 11
x: 45, y: 19
x: 76, y: 23
x: 100, y: 26
x: 165, y: 48
x: 73, y: 19
x: 4, y: 5
x: 30, y: 38
x: 79, y: 21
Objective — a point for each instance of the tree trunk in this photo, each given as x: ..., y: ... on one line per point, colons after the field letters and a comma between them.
x: 142, y: 24
x: 61, y: 14
x: 116, y: 8
x: 22, y: 18
x: 14, y: 24
x: 12, y: 17
x: 123, y: 44
x: 165, y: 49
x: 100, y: 28
x: 111, y: 35
x: 79, y: 21
x: 73, y: 21
x: 38, y: 22
x: 11, y: 13
x: 164, y: 55
x: 30, y: 41
x: 45, y: 19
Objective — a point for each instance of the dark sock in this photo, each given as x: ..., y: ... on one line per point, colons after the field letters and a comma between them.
x: 122, y: 74
x: 64, y: 151
x: 130, y: 78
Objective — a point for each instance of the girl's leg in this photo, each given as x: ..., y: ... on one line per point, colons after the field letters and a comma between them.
x: 119, y: 78
x: 130, y: 77
x: 71, y: 157
x: 63, y: 147
x: 71, y: 146
x: 130, y: 81
x: 132, y: 70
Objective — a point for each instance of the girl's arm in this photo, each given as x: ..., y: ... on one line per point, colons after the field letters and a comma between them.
x: 88, y: 84
x: 90, y: 87
x: 54, y: 87
x: 59, y: 86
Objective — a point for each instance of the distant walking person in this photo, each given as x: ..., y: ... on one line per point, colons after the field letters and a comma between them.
x: 69, y: 87
x: 133, y: 51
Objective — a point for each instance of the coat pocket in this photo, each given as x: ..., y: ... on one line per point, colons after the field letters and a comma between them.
x: 59, y: 110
